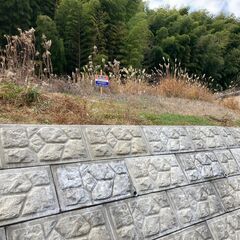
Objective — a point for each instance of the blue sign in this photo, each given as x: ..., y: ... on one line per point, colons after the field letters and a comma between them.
x: 102, y: 84
x: 102, y: 81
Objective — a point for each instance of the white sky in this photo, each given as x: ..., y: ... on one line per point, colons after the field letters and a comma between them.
x: 213, y: 6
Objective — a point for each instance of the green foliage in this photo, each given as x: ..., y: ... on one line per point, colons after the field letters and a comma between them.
x: 202, y: 43
x: 14, y: 14
x: 75, y: 27
x: 129, y: 32
x: 15, y: 94
x: 30, y: 95
x: 46, y: 26
x: 40, y: 7
x: 137, y: 40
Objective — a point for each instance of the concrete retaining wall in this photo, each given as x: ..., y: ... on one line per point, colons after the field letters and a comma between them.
x: 119, y: 182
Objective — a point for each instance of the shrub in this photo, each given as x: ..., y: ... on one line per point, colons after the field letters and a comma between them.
x: 30, y: 95
x: 18, y: 95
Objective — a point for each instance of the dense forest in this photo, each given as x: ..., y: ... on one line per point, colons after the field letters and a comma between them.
x: 128, y: 31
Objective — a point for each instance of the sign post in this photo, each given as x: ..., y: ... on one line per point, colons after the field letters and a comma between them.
x: 101, y: 81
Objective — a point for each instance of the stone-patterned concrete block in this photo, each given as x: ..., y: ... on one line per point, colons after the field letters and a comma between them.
x: 31, y: 146
x: 229, y: 191
x: 145, y: 217
x: 26, y: 194
x: 205, y: 138
x: 155, y: 173
x: 227, y: 161
x: 200, y: 166
x: 235, y: 132
x: 111, y: 142
x: 168, y: 139
x: 2, y: 234
x: 236, y: 154
x: 1, y: 157
x: 228, y: 137
x: 195, y: 203
x: 90, y: 224
x: 226, y: 227
x: 80, y: 185
x: 197, y: 232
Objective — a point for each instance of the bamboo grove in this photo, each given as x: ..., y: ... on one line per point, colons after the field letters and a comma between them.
x: 128, y: 31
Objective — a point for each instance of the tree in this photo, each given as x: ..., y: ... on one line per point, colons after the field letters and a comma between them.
x: 137, y: 40
x: 14, y: 14
x: 40, y: 7
x: 74, y: 27
x: 129, y: 32
x: 46, y: 26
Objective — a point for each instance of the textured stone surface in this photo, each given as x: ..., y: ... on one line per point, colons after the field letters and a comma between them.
x: 226, y: 227
x: 235, y: 132
x: 88, y: 224
x: 2, y: 234
x: 197, y: 232
x: 106, y: 142
x: 206, y: 137
x: 29, y: 146
x: 227, y: 161
x: 81, y: 185
x: 155, y: 173
x: 146, y: 217
x: 167, y: 183
x: 229, y: 139
x: 200, y: 166
x: 26, y: 194
x: 168, y: 139
x: 1, y: 156
x: 195, y: 203
x: 229, y: 191
x: 236, y: 154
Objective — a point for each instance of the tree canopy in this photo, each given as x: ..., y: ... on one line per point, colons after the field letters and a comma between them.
x: 128, y: 31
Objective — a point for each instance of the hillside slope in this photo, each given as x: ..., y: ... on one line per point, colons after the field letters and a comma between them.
x: 18, y: 105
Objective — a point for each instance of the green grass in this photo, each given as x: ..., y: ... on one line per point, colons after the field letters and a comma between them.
x: 176, y: 119
x: 15, y: 94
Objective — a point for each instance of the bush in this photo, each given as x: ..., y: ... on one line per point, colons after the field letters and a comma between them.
x: 18, y: 95
x: 31, y: 95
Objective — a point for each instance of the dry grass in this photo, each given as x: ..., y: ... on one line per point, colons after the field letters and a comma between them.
x: 143, y: 109
x: 169, y: 87
x: 231, y: 103
x: 183, y: 89
x: 62, y: 109
x: 135, y: 97
x: 19, y: 63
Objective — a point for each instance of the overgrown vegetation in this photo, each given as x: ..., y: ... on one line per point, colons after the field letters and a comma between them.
x: 21, y: 63
x: 11, y: 93
x: 134, y: 35
x: 27, y: 105
x: 159, y: 70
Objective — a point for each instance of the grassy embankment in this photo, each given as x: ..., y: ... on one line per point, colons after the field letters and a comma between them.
x: 122, y: 106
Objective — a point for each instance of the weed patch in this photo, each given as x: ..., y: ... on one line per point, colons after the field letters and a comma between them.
x: 14, y: 94
x: 175, y: 119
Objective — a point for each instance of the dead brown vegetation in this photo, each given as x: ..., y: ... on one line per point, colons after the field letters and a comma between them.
x: 169, y: 87
x: 230, y: 103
